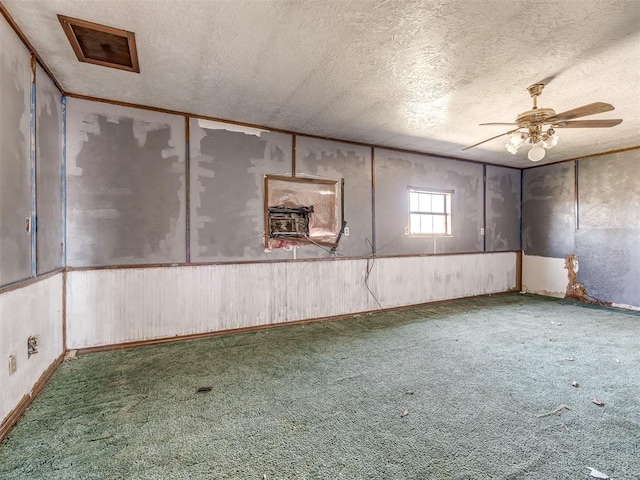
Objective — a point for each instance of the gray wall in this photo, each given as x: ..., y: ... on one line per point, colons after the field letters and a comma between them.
x: 607, y: 241
x: 15, y: 157
x: 125, y: 185
x: 333, y: 160
x: 228, y: 165
x: 395, y: 171
x: 503, y: 209
x: 126, y: 191
x: 549, y: 210
x: 48, y: 174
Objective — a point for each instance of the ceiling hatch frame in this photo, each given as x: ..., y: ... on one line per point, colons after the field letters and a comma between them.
x: 101, y: 44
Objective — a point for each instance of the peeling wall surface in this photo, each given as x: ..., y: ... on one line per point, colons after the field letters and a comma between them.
x: 48, y: 174
x: 228, y: 165
x: 35, y: 309
x: 608, y: 240
x: 122, y: 305
x: 549, y: 210
x: 15, y: 157
x: 395, y: 171
x: 126, y: 178
x: 326, y: 159
x: 503, y: 209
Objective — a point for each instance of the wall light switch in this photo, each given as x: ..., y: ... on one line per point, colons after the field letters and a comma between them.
x: 482, y: 231
x: 13, y: 366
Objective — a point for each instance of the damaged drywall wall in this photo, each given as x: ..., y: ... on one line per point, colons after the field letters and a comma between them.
x: 227, y: 166
x: 503, y: 209
x: 126, y: 179
x: 337, y: 161
x: 549, y: 211
x: 608, y: 240
x: 15, y: 157
x: 395, y: 172
x: 48, y: 173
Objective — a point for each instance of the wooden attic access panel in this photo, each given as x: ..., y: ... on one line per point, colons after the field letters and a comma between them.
x: 101, y: 45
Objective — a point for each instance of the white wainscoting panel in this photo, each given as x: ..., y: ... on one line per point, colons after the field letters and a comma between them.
x: 112, y: 306
x: 35, y: 309
x: 544, y: 276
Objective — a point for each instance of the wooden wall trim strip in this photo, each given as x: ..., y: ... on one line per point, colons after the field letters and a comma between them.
x: 218, y: 333
x: 293, y: 156
x: 278, y: 130
x: 601, y: 154
x: 64, y: 311
x: 27, y: 44
x: 373, y: 201
x: 252, y: 262
x: 29, y: 281
x: 187, y: 186
x: 15, y: 414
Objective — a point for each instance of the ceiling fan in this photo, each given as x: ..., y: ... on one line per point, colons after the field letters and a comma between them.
x: 532, y: 125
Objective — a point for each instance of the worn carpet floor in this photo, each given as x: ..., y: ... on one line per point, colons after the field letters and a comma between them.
x: 473, y: 378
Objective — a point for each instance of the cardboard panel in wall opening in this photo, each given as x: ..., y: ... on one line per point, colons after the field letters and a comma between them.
x: 503, y: 209
x: 48, y: 173
x: 549, y: 210
x: 15, y: 157
x: 395, y: 171
x: 228, y: 164
x: 126, y: 177
x: 334, y: 160
x: 608, y: 241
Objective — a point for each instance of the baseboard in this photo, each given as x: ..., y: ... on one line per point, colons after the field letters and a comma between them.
x: 15, y: 414
x: 253, y: 328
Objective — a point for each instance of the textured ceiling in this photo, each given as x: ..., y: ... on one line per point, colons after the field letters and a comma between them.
x: 417, y: 75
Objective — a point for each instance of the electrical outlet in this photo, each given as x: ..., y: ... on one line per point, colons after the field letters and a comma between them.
x: 32, y: 345
x: 346, y: 231
x: 13, y: 366
x: 482, y: 231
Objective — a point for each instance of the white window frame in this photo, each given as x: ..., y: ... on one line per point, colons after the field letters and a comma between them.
x: 445, y: 212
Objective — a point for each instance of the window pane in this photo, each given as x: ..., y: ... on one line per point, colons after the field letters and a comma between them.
x: 425, y: 202
x: 415, y: 223
x: 437, y: 203
x: 439, y: 224
x: 413, y: 201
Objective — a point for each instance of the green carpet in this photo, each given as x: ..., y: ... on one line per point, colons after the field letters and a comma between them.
x: 324, y: 401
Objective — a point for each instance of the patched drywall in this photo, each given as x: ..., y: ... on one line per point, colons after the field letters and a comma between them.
x: 395, y: 172
x: 15, y: 157
x: 549, y: 210
x: 608, y: 240
x: 227, y: 166
x: 126, y: 179
x: 503, y: 209
x: 48, y: 174
x: 544, y: 276
x: 336, y: 161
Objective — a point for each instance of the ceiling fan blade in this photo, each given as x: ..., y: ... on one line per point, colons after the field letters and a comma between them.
x: 584, y: 111
x: 498, y: 123
x: 589, y: 123
x: 488, y: 139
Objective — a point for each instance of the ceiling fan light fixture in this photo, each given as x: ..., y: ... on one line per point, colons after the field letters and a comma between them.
x: 551, y: 140
x: 537, y: 152
x: 517, y: 138
x: 511, y: 148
